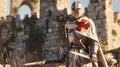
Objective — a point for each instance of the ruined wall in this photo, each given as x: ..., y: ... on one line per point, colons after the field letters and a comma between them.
x: 102, y: 14
x: 16, y: 4
x: 17, y: 52
x: 3, y: 4
x: 12, y: 37
x: 54, y: 6
x: 53, y: 17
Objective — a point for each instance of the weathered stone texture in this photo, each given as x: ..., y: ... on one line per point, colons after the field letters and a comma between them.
x: 107, y: 24
x: 3, y: 6
x: 102, y: 14
x: 15, y: 4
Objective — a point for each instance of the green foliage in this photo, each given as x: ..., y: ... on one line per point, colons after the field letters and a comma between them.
x: 35, y: 40
x: 29, y: 21
x: 61, y: 26
x: 15, y: 9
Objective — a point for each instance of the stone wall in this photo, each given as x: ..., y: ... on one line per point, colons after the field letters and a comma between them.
x: 32, y: 4
x: 54, y: 6
x: 3, y: 6
x: 53, y: 17
x: 107, y: 24
x: 12, y: 38
x: 102, y: 14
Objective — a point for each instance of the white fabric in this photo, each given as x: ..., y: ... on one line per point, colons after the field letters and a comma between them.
x: 91, y: 31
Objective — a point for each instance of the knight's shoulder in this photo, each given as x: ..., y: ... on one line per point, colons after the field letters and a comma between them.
x: 71, y: 19
x: 87, y: 19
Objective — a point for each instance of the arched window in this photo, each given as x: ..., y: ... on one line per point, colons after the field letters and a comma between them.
x: 23, y: 10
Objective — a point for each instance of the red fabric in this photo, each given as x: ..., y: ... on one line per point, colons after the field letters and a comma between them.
x: 81, y: 24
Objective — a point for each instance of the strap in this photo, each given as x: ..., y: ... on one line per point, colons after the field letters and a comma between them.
x: 80, y: 40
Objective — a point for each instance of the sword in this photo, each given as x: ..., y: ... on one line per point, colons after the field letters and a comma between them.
x: 82, y: 55
x: 79, y: 54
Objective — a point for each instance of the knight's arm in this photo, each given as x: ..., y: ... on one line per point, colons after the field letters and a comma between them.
x: 69, y: 26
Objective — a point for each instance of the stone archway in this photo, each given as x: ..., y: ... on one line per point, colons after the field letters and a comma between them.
x: 16, y: 4
x: 25, y: 2
x: 23, y: 11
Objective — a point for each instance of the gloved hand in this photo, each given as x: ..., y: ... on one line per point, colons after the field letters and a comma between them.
x: 94, y: 57
x: 70, y: 26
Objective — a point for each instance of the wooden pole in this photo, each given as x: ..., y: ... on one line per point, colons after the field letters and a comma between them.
x: 81, y: 55
x: 102, y: 58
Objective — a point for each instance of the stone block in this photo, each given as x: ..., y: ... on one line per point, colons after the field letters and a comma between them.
x: 93, y: 4
x: 102, y: 3
x: 48, y: 34
x: 55, y: 29
x: 98, y: 22
x: 101, y: 15
x: 90, y: 9
x: 98, y: 8
x: 46, y: 43
x: 103, y: 21
x: 53, y: 37
x: 51, y: 53
x: 93, y: 13
x: 93, y: 17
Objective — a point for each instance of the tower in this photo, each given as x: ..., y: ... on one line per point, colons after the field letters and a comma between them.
x: 101, y: 11
x: 3, y: 6
x: 54, y: 6
x: 50, y: 12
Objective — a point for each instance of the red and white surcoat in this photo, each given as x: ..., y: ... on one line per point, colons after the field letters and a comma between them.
x: 86, y: 27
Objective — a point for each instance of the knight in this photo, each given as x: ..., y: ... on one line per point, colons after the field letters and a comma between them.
x: 82, y: 32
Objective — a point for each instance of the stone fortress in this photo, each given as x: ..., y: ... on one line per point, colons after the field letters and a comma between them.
x: 52, y: 15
